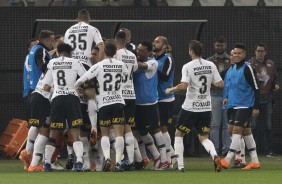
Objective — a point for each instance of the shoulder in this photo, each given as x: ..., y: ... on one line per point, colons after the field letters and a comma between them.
x: 93, y: 29
x: 268, y: 61
x: 211, y: 58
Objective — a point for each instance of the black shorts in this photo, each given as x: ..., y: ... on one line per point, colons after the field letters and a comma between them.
x: 111, y: 115
x: 147, y: 117
x: 229, y: 116
x: 166, y: 111
x: 241, y: 117
x: 39, y: 110
x: 129, y: 112
x: 65, y: 109
x: 86, y: 124
x: 200, y: 120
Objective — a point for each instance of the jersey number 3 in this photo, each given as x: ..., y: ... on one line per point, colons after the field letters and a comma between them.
x: 203, y: 89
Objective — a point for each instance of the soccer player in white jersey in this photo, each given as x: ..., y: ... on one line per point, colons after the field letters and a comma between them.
x: 197, y: 77
x: 81, y: 37
x: 65, y: 106
x: 129, y: 59
x: 39, y: 102
x: 109, y: 73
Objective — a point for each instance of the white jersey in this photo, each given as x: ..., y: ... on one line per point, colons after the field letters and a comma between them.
x: 64, y: 71
x: 129, y: 59
x: 109, y: 74
x: 81, y: 37
x: 40, y: 86
x: 199, y: 74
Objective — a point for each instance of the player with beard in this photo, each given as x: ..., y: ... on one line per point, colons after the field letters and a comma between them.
x: 165, y: 102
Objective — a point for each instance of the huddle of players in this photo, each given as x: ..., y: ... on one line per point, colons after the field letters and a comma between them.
x: 106, y: 87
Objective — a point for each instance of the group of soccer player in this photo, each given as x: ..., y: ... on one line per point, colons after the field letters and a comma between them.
x: 107, y: 98
x: 105, y: 87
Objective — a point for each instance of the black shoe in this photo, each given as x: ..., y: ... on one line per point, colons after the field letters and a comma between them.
x: 129, y: 167
x: 70, y: 161
x: 140, y: 165
x: 181, y: 170
x: 106, y: 165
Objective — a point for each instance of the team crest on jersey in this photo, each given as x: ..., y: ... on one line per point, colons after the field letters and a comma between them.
x: 220, y: 67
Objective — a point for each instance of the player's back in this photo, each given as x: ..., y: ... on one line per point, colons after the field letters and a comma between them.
x: 81, y: 37
x: 64, y: 73
x: 201, y: 74
x: 129, y: 59
x: 109, y: 73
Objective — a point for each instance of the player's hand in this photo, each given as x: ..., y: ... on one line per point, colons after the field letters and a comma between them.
x: 47, y: 88
x: 167, y: 91
x: 80, y: 91
x: 255, y: 113
x: 93, y: 136
x: 225, y: 101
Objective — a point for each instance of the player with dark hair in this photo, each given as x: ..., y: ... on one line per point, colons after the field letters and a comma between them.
x: 65, y: 106
x: 145, y: 81
x: 81, y: 37
x: 243, y: 97
x: 109, y: 73
x: 38, y: 59
x: 197, y: 77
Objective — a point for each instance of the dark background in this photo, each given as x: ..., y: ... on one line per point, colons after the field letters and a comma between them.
x: 249, y: 25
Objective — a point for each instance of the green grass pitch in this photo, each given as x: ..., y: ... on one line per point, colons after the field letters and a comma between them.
x: 198, y: 171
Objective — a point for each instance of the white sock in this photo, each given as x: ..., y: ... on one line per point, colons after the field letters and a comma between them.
x: 234, y: 146
x: 161, y: 145
x: 31, y: 136
x: 179, y: 150
x: 78, y: 150
x: 209, y: 147
x: 251, y: 145
x: 86, y: 156
x: 49, y: 150
x: 92, y: 112
x: 141, y: 144
x: 137, y: 154
x: 105, y: 145
x: 242, y: 147
x: 129, y: 145
x: 172, y: 152
x: 167, y: 145
x: 39, y: 147
x: 70, y: 150
x: 119, y: 146
x: 149, y: 143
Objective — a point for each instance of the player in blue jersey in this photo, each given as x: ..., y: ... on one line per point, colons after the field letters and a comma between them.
x: 145, y: 81
x: 38, y: 59
x: 165, y: 102
x: 243, y: 97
